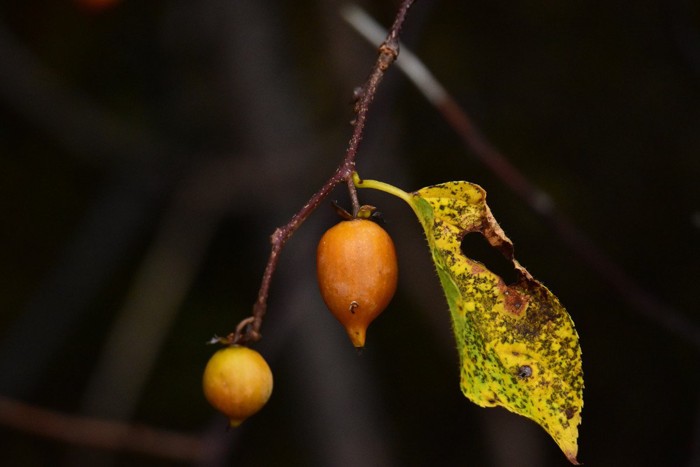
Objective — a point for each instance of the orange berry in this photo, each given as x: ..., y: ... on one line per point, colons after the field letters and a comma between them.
x: 357, y: 274
x: 237, y: 382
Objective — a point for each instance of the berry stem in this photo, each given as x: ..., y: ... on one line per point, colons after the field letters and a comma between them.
x: 381, y: 186
x: 352, y: 189
x: 248, y: 330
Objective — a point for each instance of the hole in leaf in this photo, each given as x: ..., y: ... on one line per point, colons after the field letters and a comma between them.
x: 476, y: 247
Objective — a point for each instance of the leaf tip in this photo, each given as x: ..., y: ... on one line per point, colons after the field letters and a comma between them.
x: 570, y: 449
x: 571, y: 456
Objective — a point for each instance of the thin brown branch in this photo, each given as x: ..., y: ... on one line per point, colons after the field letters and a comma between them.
x: 249, y: 331
x: 102, y: 434
x: 539, y: 201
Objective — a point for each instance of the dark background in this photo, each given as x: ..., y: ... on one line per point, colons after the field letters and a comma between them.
x: 148, y: 151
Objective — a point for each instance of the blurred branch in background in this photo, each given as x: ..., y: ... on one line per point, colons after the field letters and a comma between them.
x: 639, y: 300
x: 103, y: 434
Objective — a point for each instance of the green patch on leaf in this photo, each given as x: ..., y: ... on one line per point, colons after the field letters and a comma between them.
x: 517, y: 344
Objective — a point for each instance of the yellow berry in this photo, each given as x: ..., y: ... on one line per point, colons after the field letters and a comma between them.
x: 238, y: 382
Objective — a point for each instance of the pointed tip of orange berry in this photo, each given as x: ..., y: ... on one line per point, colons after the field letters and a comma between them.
x: 235, y: 423
x: 357, y: 336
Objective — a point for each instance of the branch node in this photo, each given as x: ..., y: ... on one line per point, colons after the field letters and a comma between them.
x: 388, y: 53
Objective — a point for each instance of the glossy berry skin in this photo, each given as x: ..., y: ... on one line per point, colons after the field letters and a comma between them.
x: 238, y: 382
x: 357, y: 274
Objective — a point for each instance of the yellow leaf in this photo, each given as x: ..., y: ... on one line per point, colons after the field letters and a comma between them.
x: 517, y: 344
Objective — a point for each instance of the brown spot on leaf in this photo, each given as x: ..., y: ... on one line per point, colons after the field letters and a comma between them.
x: 515, y: 302
x: 570, y: 412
